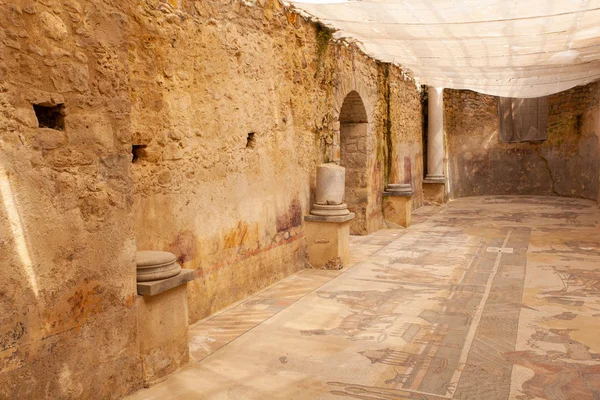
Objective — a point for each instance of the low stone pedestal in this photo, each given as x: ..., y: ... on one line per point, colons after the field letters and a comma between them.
x: 328, y: 225
x: 397, y: 208
x: 434, y: 191
x: 162, y: 313
x: 327, y: 240
x: 163, y: 333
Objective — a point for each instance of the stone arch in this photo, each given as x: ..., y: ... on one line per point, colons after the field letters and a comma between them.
x: 354, y: 129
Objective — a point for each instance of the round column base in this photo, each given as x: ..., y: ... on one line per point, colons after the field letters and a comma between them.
x: 330, y: 210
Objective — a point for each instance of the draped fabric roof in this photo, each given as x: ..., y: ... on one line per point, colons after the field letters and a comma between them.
x: 509, y: 48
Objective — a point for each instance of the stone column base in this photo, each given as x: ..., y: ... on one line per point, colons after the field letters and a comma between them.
x: 327, y: 241
x: 434, y: 191
x: 163, y: 333
x: 435, y: 179
x: 397, y: 209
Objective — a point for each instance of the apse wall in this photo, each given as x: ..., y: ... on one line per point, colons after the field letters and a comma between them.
x: 566, y: 164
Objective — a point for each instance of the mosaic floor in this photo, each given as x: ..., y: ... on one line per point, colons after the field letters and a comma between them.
x: 489, y: 298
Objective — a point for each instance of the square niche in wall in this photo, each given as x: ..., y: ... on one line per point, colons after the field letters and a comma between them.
x: 50, y: 116
x: 523, y: 120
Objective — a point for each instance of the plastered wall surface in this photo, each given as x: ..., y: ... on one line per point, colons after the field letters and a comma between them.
x: 230, y: 107
x: 566, y: 164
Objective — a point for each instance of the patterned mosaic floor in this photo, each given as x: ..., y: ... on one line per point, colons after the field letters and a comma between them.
x: 211, y: 334
x: 490, y: 298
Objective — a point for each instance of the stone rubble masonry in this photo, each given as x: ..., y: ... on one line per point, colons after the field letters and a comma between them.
x: 68, y: 318
x: 203, y: 84
x: 230, y: 107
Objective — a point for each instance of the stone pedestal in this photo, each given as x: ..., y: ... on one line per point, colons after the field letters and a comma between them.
x: 397, y: 205
x: 327, y: 241
x: 328, y: 225
x: 162, y: 313
x: 398, y: 210
x: 163, y: 333
x: 434, y: 191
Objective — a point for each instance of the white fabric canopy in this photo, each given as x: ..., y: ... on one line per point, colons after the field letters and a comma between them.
x: 508, y: 48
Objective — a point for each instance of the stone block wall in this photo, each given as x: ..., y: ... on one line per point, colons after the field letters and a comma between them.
x: 354, y: 110
x: 353, y: 157
x: 566, y: 164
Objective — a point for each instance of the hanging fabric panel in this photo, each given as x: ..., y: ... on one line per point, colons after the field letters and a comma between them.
x: 523, y: 120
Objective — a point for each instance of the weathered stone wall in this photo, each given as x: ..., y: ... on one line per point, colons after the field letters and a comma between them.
x: 202, y: 80
x: 566, y: 164
x: 406, y: 127
x: 67, y: 291
x: 229, y: 109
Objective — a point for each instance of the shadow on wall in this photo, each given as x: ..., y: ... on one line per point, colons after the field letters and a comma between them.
x: 354, y: 126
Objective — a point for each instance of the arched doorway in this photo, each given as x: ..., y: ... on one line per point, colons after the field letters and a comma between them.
x: 354, y: 126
